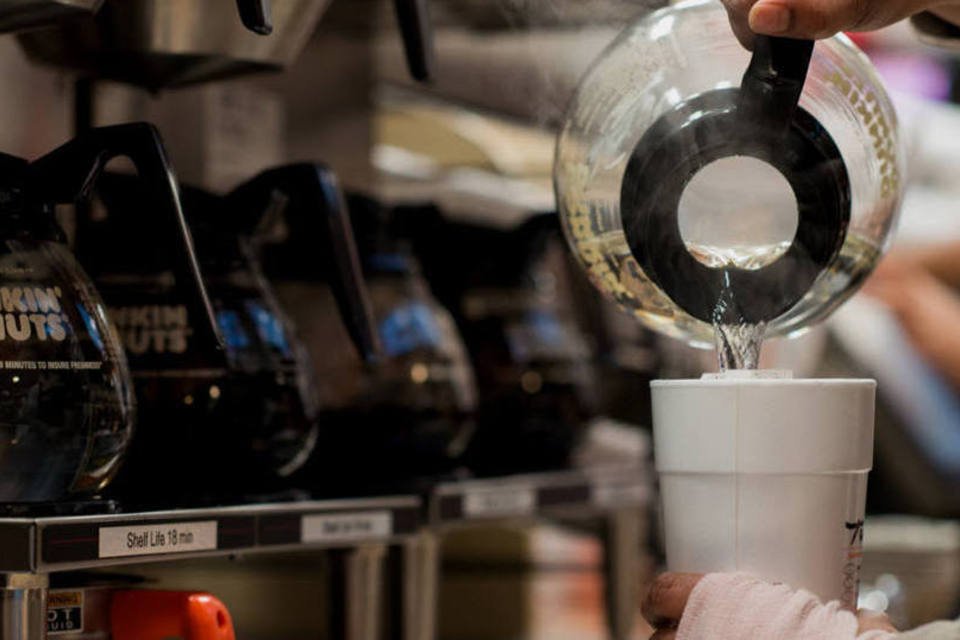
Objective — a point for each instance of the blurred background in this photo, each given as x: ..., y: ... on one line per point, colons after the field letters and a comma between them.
x: 454, y: 177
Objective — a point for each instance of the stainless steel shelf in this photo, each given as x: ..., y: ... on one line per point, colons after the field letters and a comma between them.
x: 577, y: 493
x: 46, y: 545
x: 51, y: 544
x: 364, y: 528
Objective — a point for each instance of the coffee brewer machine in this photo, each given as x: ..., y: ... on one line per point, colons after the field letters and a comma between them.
x: 159, y: 44
x: 30, y: 14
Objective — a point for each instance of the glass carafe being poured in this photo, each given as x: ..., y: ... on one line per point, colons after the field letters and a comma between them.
x: 700, y: 184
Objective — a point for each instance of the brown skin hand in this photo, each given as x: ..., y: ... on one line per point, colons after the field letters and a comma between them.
x: 817, y: 19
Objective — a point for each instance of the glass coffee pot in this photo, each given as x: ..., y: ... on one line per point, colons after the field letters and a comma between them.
x: 248, y: 425
x: 135, y: 244
x: 388, y: 423
x: 66, y: 396
x: 700, y: 184
x: 240, y: 420
x: 267, y: 414
x: 418, y: 406
x: 508, y: 289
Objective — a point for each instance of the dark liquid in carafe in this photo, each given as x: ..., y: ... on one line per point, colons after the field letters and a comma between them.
x: 65, y: 402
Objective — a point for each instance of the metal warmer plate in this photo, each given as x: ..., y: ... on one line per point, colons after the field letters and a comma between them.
x: 44, y: 545
x: 570, y: 493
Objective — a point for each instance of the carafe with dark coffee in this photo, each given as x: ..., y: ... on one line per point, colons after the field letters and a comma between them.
x: 417, y: 406
x: 255, y: 423
x: 508, y: 290
x: 144, y: 265
x: 66, y: 401
x: 408, y: 414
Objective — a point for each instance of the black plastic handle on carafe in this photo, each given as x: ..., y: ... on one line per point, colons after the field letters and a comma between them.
x: 761, y: 119
x: 67, y: 174
x: 413, y: 16
x: 771, y: 87
x: 255, y: 16
x: 316, y: 212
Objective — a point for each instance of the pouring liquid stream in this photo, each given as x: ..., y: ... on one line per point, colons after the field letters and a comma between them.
x: 738, y: 342
x: 738, y: 345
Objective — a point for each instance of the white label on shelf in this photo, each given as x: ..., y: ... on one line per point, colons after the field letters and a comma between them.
x: 151, y: 539
x: 346, y: 527
x: 612, y: 495
x: 502, y: 501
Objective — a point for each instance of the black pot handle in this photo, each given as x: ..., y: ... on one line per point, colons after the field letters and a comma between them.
x: 773, y: 82
x: 68, y: 173
x: 255, y: 15
x: 413, y: 16
x: 318, y: 222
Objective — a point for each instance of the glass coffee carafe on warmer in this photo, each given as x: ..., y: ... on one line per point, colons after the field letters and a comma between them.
x: 240, y: 420
x: 139, y: 252
x: 66, y: 398
x: 385, y: 421
x: 509, y: 290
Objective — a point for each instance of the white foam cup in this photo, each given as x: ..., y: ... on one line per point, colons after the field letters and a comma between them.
x: 766, y: 474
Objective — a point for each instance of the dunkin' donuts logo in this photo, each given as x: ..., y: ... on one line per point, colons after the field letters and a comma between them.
x: 32, y: 313
x: 152, y: 328
x: 851, y: 568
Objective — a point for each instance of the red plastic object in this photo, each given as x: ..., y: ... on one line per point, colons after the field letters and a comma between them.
x: 161, y: 615
x: 863, y: 39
